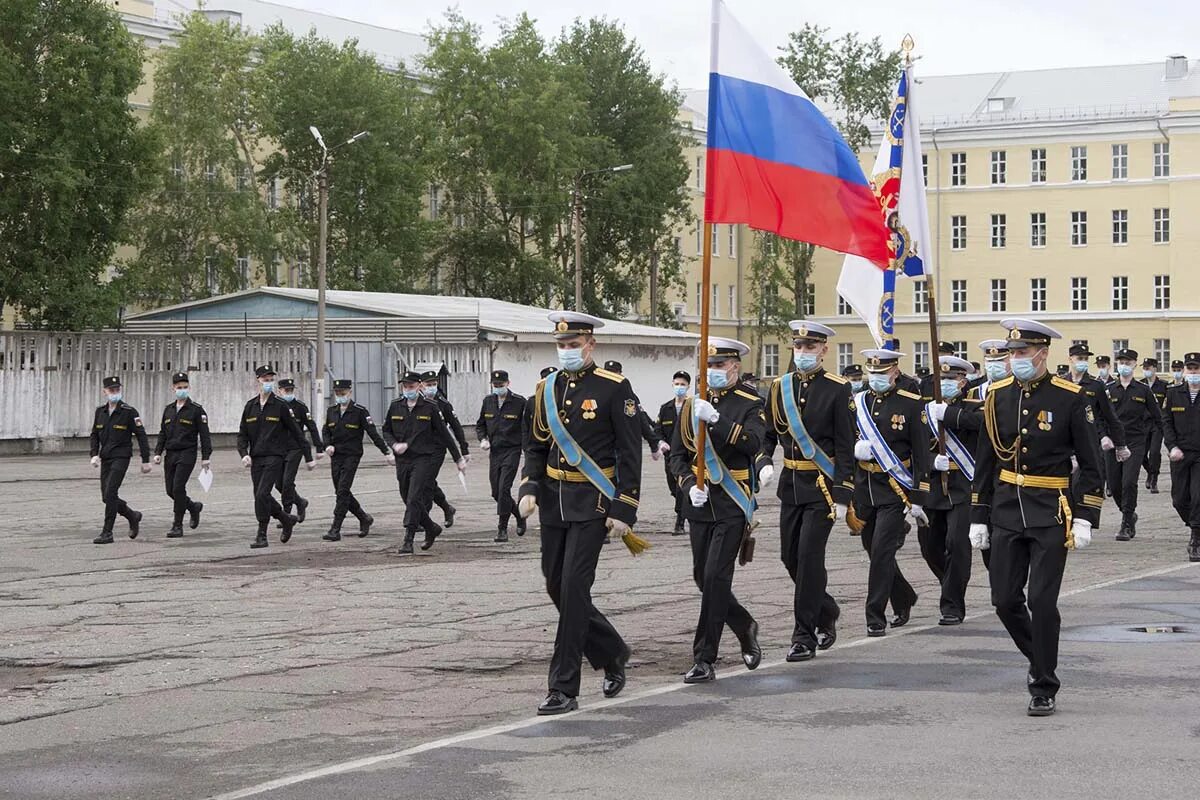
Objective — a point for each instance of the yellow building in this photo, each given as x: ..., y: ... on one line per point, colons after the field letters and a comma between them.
x: 1067, y: 195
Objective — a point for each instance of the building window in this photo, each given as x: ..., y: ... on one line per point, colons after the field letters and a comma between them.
x: 716, y: 244
x: 1118, y: 345
x: 1037, y: 229
x: 925, y: 168
x: 843, y: 308
x: 999, y: 294
x: 1079, y: 163
x: 733, y: 309
x: 177, y: 167
x: 920, y: 297
x: 1162, y: 292
x: 1037, y: 294
x: 300, y: 269
x: 243, y: 267
x: 770, y: 359
x: 1120, y: 226
x: 210, y: 274
x: 1120, y: 155
x: 715, y: 311
x: 1078, y: 228
x: 958, y: 232
x: 1079, y: 294
x: 1162, y: 351
x: 845, y: 355
x: 920, y: 354
x: 699, y: 239
x: 273, y: 194
x: 700, y: 172
x: 1162, y: 159
x: 460, y: 221
x: 699, y: 298
x: 1037, y: 165
x: 808, y: 303
x: 960, y: 348
x: 1120, y: 293
x: 1162, y: 225
x: 732, y: 241
x: 243, y: 178
x: 999, y: 230
x: 999, y: 167
x: 958, y: 296
x: 958, y: 169
x: 435, y: 201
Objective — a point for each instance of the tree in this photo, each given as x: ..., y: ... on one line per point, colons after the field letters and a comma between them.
x: 71, y: 157
x: 857, y: 78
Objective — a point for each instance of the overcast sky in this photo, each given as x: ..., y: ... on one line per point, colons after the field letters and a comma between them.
x: 953, y: 36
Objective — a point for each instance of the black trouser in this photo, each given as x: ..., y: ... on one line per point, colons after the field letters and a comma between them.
x: 677, y: 494
x: 112, y: 475
x: 287, y: 479
x: 803, y: 534
x: 715, y: 548
x: 882, y: 535
x: 342, y: 470
x: 570, y: 551
x: 1036, y: 555
x: 1185, y: 488
x: 502, y: 471
x: 265, y: 472
x: 1123, y: 476
x: 950, y: 529
x: 177, y: 468
x: 1152, y: 460
x: 416, y: 476
x: 933, y: 546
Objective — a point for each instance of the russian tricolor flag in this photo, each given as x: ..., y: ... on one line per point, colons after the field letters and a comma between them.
x: 774, y: 161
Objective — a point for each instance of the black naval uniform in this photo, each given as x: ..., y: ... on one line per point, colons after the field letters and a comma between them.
x: 288, y: 495
x: 909, y: 384
x: 1107, y: 424
x: 882, y: 503
x: 1138, y: 411
x: 437, y: 496
x: 806, y: 516
x: 1023, y: 488
x: 112, y: 440
x: 717, y: 526
x: 422, y: 428
x: 947, y: 545
x: 664, y: 428
x: 599, y: 410
x: 501, y: 424
x: 1152, y: 461
x: 183, y: 429
x: 266, y: 433
x: 1181, y: 428
x: 344, y: 429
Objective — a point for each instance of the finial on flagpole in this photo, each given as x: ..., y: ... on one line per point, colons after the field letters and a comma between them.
x: 907, y: 44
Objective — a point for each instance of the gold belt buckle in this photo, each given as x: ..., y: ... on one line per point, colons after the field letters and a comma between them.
x: 1020, y: 479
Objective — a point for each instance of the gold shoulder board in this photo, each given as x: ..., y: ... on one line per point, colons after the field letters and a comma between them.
x: 1063, y: 383
x: 836, y: 378
x: 612, y: 376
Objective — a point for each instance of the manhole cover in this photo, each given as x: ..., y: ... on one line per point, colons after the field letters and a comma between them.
x: 1153, y: 633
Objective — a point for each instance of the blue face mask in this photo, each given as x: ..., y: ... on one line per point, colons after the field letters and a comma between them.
x: 429, y: 391
x: 681, y: 391
x: 805, y: 362
x: 1148, y: 374
x: 1023, y: 368
x: 570, y: 358
x: 856, y: 386
x: 1124, y: 370
x: 409, y: 394
x: 1193, y: 380
x: 499, y: 391
x: 341, y: 399
x: 287, y: 398
x: 1102, y: 373
x: 266, y: 387
x: 995, y: 370
x: 879, y: 383
x: 1178, y: 376
x: 717, y: 378
x: 1081, y: 366
x: 950, y: 389
x: 114, y: 398
x: 181, y: 394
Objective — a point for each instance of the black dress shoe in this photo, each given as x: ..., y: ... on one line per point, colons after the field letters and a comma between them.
x: 614, y: 676
x: 135, y: 520
x: 449, y: 511
x: 194, y: 511
x: 1123, y: 533
x: 751, y: 649
x: 105, y: 537
x: 333, y: 535
x: 301, y: 509
x: 432, y: 534
x: 801, y: 652
x: 950, y: 619
x: 259, y: 541
x: 176, y: 532
x: 1041, y: 707
x: 1194, y: 546
x: 875, y: 631
x: 701, y: 672
x: 289, y: 523
x: 1154, y: 485
x: 406, y: 547
x: 1133, y: 518
x: 364, y: 525
x: 679, y: 529
x: 556, y: 703
x: 901, y: 618
x: 501, y: 533
x: 521, y: 525
x: 826, y: 636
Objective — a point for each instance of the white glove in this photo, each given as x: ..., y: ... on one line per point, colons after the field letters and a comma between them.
x: 1123, y: 454
x: 941, y: 463
x: 617, y: 526
x: 245, y: 461
x: 698, y: 496
x: 655, y: 454
x: 329, y: 450
x: 485, y: 445
x: 664, y: 448
x: 862, y: 450
x: 466, y: 457
x: 310, y: 465
x: 1176, y: 454
x: 462, y: 464
x: 319, y: 454
x: 158, y: 459
x: 979, y: 536
x: 95, y: 461
x: 205, y: 465
x: 1081, y: 529
x: 937, y: 411
x: 766, y: 475
x: 839, y: 511
x: 1106, y: 443
x: 705, y: 411
x: 391, y: 459
x: 399, y: 447
x: 1074, y: 464
x: 526, y: 506
x: 918, y: 515
x: 145, y: 469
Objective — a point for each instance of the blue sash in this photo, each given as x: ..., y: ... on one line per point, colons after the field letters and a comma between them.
x: 879, y: 448
x: 811, y: 450
x: 718, y: 473
x: 570, y: 449
x: 954, y: 446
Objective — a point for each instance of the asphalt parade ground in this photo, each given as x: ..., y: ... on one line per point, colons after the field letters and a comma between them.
x: 197, y: 668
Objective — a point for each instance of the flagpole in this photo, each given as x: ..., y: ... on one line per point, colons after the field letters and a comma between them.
x: 706, y: 266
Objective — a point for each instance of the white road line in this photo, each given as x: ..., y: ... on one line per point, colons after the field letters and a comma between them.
x: 509, y: 727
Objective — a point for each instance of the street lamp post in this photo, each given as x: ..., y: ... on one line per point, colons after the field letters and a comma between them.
x: 577, y: 225
x: 322, y: 246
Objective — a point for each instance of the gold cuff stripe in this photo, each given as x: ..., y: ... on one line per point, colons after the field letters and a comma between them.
x: 624, y: 498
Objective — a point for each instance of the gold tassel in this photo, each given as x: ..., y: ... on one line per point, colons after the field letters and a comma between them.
x: 1064, y: 506
x: 636, y: 544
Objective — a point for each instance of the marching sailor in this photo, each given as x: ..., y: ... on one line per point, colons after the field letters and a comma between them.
x: 113, y: 427
x: 1152, y: 460
x: 499, y: 430
x: 664, y: 427
x: 1181, y: 430
x: 345, y: 423
x: 183, y: 431
x: 1139, y: 413
x: 288, y: 496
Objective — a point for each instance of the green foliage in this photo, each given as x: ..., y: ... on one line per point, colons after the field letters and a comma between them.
x: 71, y: 157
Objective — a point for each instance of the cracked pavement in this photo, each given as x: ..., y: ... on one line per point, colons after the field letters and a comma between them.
x: 187, y: 668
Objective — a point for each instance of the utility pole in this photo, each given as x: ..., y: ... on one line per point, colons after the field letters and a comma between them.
x: 322, y: 237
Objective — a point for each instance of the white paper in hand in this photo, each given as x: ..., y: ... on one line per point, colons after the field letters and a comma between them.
x: 205, y: 477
